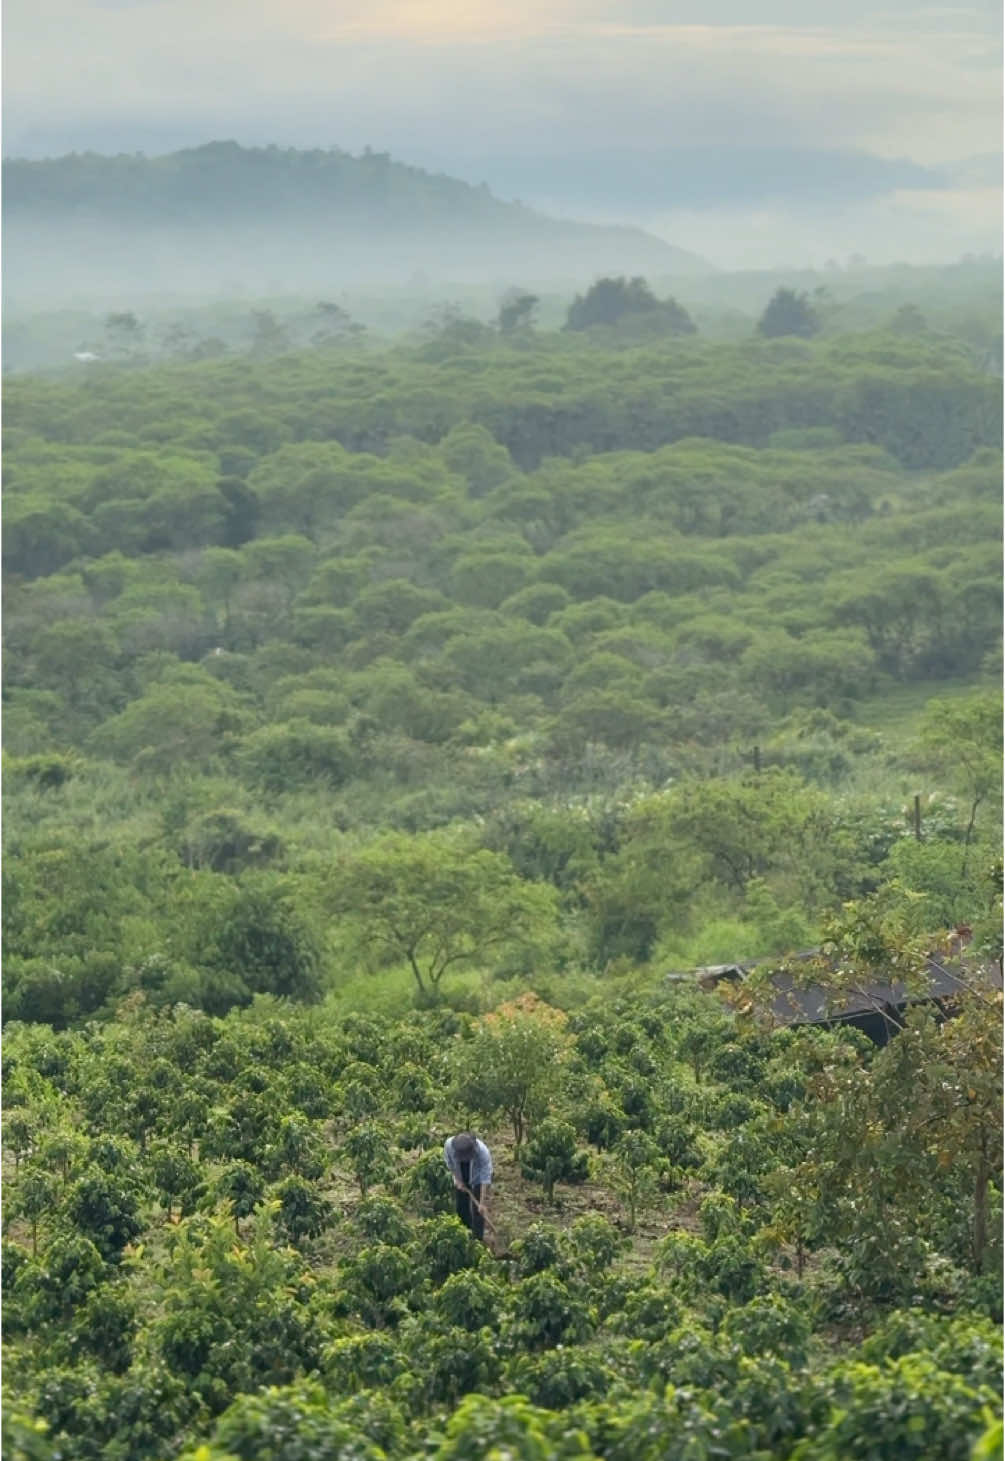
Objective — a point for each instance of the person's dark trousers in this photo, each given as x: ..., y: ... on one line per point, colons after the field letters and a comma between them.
x: 469, y: 1216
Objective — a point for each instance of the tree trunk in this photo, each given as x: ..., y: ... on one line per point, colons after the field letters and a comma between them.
x: 416, y: 971
x: 970, y: 833
x: 980, y: 1212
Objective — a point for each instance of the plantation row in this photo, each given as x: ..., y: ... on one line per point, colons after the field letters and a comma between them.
x: 715, y: 1240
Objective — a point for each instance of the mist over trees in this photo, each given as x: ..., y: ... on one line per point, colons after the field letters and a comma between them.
x: 222, y: 248
x: 609, y: 301
x: 223, y: 219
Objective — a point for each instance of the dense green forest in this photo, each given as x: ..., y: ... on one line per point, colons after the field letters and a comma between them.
x: 384, y: 723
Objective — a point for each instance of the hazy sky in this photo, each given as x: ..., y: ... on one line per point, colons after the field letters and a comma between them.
x: 551, y: 99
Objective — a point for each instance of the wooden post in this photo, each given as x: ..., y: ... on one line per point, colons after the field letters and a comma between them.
x: 917, y: 818
x: 757, y: 758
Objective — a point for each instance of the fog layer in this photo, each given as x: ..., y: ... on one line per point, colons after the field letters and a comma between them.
x: 228, y: 220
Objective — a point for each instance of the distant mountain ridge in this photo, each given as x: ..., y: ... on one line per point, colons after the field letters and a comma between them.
x: 267, y: 213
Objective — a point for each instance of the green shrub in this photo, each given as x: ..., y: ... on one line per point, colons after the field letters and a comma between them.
x: 296, y: 756
x: 962, y: 1344
x: 361, y: 1361
x: 550, y: 1156
x: 451, y: 1362
x: 382, y: 1220
x: 288, y: 1424
x: 468, y: 1301
x: 46, y: 770
x: 545, y: 1313
x: 592, y: 1244
x: 304, y: 1211
x: 483, y: 1428
x: 538, y: 1249
x: 769, y: 1324
x: 444, y: 1246
x: 559, y: 1378
x: 905, y: 1408
x: 427, y: 1186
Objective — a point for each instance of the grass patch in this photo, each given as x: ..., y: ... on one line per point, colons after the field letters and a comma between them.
x: 896, y: 712
x: 393, y: 991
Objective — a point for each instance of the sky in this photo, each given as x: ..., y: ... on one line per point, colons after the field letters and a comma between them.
x: 755, y: 133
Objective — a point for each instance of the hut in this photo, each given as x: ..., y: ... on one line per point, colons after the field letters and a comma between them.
x: 876, y: 1005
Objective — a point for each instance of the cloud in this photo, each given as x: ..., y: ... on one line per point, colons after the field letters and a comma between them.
x: 642, y: 183
x: 679, y: 112
x: 453, y: 23
x: 916, y: 227
x: 506, y: 77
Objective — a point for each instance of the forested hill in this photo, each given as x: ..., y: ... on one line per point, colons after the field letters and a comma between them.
x: 222, y: 215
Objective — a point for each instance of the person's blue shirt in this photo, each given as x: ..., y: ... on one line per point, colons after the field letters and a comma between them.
x: 481, y: 1163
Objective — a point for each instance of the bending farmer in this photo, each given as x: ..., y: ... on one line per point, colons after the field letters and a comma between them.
x: 470, y: 1164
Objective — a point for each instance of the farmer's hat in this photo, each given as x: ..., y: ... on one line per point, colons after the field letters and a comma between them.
x: 464, y: 1146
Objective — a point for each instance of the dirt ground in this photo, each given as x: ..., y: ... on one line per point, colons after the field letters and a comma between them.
x: 515, y: 1204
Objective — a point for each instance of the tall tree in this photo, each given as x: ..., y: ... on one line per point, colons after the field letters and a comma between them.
x: 964, y: 739
x: 788, y: 313
x: 516, y: 311
x: 608, y: 300
x: 433, y: 903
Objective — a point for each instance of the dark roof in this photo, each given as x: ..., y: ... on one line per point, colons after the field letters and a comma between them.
x: 814, y: 1004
